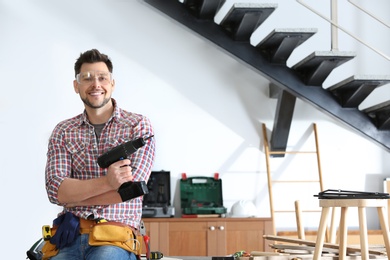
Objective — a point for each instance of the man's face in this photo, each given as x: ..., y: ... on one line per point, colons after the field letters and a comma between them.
x: 94, y: 84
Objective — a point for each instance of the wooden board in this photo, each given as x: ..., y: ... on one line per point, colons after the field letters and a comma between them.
x: 326, y: 245
x: 375, y: 237
x: 303, y: 249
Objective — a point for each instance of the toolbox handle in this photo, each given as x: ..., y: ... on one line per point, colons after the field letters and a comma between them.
x: 198, y: 180
x: 184, y: 177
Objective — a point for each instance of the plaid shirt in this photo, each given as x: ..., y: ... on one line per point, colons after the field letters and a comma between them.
x: 73, y: 151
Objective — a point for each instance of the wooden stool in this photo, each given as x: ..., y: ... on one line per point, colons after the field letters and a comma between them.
x: 344, y: 204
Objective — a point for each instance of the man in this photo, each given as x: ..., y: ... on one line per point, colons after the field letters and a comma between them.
x: 74, y: 180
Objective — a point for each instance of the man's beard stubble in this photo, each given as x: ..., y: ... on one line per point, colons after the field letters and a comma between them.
x: 86, y: 102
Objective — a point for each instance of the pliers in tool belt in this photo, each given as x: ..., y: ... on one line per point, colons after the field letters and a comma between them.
x: 142, y: 231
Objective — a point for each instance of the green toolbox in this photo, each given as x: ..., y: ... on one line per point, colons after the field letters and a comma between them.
x: 201, y: 195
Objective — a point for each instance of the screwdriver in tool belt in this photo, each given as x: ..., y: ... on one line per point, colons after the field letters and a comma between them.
x: 142, y: 230
x: 147, y: 244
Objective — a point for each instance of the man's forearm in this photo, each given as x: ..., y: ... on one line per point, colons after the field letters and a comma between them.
x: 108, y: 198
x: 75, y: 191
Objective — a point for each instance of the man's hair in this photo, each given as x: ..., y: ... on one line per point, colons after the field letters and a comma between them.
x: 92, y: 56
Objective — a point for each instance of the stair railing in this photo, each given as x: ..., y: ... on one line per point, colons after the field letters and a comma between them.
x: 334, y: 23
x: 369, y: 13
x: 334, y: 33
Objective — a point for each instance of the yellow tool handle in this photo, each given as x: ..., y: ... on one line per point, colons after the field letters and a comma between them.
x: 46, y: 232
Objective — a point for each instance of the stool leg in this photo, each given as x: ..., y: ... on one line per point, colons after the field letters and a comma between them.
x: 333, y: 228
x: 385, y: 228
x: 363, y: 233
x: 321, y: 233
x: 343, y: 234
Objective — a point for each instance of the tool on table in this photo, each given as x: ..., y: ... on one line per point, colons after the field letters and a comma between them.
x: 238, y: 254
x: 128, y: 190
x: 156, y: 255
x: 241, y: 253
x: 347, y: 194
x: 234, y: 256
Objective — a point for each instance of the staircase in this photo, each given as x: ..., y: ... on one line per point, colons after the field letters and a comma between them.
x: 304, y: 80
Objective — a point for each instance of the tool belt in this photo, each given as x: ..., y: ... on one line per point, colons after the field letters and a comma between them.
x: 116, y: 234
x: 103, y: 233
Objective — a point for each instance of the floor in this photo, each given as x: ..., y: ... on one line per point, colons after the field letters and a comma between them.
x: 187, y: 258
x: 306, y: 257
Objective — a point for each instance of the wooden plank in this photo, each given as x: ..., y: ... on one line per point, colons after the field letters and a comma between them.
x: 261, y: 253
x: 313, y: 243
x: 375, y: 237
x: 283, y: 248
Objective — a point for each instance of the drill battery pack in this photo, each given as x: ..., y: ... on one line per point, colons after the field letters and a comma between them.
x: 201, y: 195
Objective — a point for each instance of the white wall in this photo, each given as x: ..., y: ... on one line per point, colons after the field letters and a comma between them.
x: 207, y: 108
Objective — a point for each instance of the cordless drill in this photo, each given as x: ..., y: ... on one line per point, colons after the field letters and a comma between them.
x: 128, y: 190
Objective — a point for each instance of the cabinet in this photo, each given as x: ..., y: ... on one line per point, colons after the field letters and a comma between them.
x: 207, y: 236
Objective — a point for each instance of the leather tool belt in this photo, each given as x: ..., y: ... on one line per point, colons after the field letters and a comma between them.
x: 103, y: 233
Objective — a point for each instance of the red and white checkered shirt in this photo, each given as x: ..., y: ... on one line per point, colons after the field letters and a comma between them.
x: 73, y: 151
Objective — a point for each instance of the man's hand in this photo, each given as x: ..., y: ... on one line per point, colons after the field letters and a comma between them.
x: 118, y: 173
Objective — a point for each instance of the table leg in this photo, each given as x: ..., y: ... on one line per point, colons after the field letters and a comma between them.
x: 333, y: 228
x: 321, y: 233
x: 385, y: 227
x: 343, y: 234
x: 363, y: 233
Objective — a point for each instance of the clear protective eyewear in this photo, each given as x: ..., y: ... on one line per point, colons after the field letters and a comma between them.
x: 88, y: 77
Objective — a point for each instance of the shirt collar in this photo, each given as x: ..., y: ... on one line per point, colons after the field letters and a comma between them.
x: 115, y: 114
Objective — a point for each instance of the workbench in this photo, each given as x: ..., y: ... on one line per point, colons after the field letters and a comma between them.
x: 207, y: 236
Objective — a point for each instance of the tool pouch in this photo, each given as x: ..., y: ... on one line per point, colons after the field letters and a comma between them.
x: 115, y: 234
x: 49, y: 249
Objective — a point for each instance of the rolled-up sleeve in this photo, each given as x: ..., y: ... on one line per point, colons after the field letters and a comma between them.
x: 58, y: 166
x: 142, y: 160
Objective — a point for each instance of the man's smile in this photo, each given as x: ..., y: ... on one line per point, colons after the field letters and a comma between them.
x: 96, y: 93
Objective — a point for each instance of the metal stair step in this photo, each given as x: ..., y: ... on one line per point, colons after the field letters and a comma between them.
x: 352, y: 91
x: 282, y: 76
x: 204, y: 9
x: 244, y: 18
x: 278, y: 45
x: 316, y: 67
x: 380, y: 115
